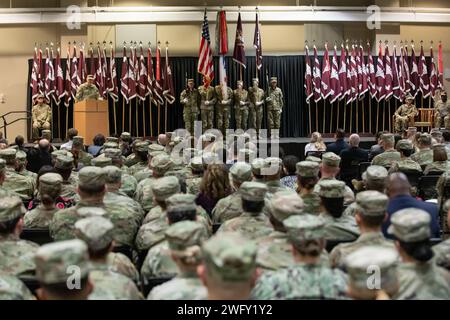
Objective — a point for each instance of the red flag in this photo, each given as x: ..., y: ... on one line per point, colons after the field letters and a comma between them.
x: 75, y: 80
x: 353, y: 75
x: 124, y: 89
x: 143, y: 77
x: 169, y: 91
x: 308, y: 77
x: 364, y: 85
x: 67, y: 80
x: 334, y: 80
x: 222, y: 33
x: 371, y: 80
x: 82, y: 73
x: 158, y: 86
x: 34, y: 75
x: 440, y: 67
x: 326, y: 74
x: 49, y: 75
x: 112, y: 84
x: 59, y: 87
x: 381, y: 90
x: 317, y: 77
x: 433, y: 75
x: 423, y: 74
x: 395, y: 76
x: 257, y: 44
x: 414, y: 81
x: 388, y: 74
x: 205, y: 59
x: 344, y: 91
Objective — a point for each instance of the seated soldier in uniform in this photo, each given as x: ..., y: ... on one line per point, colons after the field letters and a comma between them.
x: 41, y: 116
x: 405, y: 164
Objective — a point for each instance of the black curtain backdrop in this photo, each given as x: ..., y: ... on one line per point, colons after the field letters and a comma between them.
x: 298, y: 118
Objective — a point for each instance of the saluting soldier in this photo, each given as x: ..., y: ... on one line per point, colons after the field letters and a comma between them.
x: 405, y: 114
x: 88, y: 90
x: 275, y: 104
x: 190, y: 99
x: 208, y: 100
x: 224, y: 101
x: 256, y: 97
x: 41, y: 116
x: 241, y: 102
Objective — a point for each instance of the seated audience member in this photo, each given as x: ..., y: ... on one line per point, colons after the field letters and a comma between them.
x: 339, y: 145
x: 377, y: 148
x: 446, y: 142
x: 215, y: 185
x: 290, y: 178
x: 390, y: 155
x: 424, y: 155
x: 307, y: 177
x: 72, y: 132
x: 98, y: 141
x: 20, y: 141
x: 41, y: 156
x: 439, y: 164
x: 405, y: 164
x: 350, y: 159
x: 315, y: 144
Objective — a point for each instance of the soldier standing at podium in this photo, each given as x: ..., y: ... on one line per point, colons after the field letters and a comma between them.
x: 88, y: 90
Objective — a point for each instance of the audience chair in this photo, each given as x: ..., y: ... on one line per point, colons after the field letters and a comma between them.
x: 38, y: 235
x: 427, y: 187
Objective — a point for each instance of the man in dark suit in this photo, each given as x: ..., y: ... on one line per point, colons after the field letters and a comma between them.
x: 40, y: 156
x: 350, y: 159
x: 339, y: 145
x: 398, y: 190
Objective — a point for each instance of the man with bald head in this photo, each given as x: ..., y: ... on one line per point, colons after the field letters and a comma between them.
x: 350, y: 159
x: 398, y: 190
x: 40, y: 156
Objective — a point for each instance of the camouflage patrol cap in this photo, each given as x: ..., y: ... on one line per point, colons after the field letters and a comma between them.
x: 90, y: 77
x: 409, y: 97
x: 209, y: 158
x: 96, y: 231
x: 154, y: 149
x: 361, y: 260
x: 410, y: 225
x: 101, y: 162
x: 64, y: 162
x: 412, y: 129
x: 331, y: 188
x: 11, y: 207
x: 57, y: 153
x: 313, y: 159
x: 405, y: 144
x: 185, y: 235
x: 86, y: 212
x: 113, y: 153
x: 424, y: 139
x: 40, y: 95
x: 330, y: 159
x: 253, y: 191
x: 46, y: 133
x: 240, y: 82
x: 77, y: 141
x: 50, y: 183
x: 112, y: 139
x: 255, y: 79
x: 388, y: 137
x: 113, y: 174
x: 165, y: 187
x: 8, y: 154
x: 372, y: 203
x: 304, y: 227
x: 21, y: 156
x: 190, y: 81
x: 2, y: 165
x: 110, y: 144
x: 271, y: 164
x: 257, y: 165
x: 54, y: 260
x: 125, y: 136
x: 241, y: 171
x: 285, y: 204
x: 176, y: 140
x: 272, y: 79
x: 91, y: 177
x: 307, y: 169
x: 161, y: 164
x: 182, y: 202
x: 196, y: 164
x: 230, y: 257
x: 375, y: 173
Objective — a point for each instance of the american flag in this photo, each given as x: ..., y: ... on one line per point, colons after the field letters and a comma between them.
x: 205, y: 57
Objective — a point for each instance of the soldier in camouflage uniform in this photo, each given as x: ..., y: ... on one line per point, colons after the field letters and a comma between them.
x: 256, y: 97
x: 146, y: 172
x: 273, y: 167
x: 275, y: 106
x: 442, y: 250
x: 41, y: 116
x: 50, y: 186
x: 138, y: 159
x: 419, y: 277
x: 185, y: 239
x: 129, y: 183
x: 208, y: 100
x: 81, y: 157
x: 197, y: 169
x: 405, y: 164
x: 52, y: 262
x: 87, y: 91
x: 223, y: 107
x: 337, y: 226
x: 307, y: 278
x: 4, y: 192
x: 439, y: 164
x: 405, y: 114
x: 231, y: 206
x: 390, y: 155
x: 13, y: 289
x: 91, y: 188
x: 63, y: 166
x: 363, y: 259
x: 441, y: 111
x: 241, y: 102
x: 97, y: 233
x: 424, y: 156
x: 370, y: 215
x: 252, y: 223
x: 21, y: 185
x: 21, y: 158
x: 229, y: 267
x: 307, y: 176
x: 17, y: 256
x: 125, y: 143
x: 190, y: 100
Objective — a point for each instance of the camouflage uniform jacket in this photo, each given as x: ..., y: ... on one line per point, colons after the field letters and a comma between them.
x: 386, y: 159
x: 227, y: 208
x: 158, y: 262
x: 405, y: 165
x: 131, y: 160
x: 442, y: 254
x: 11, y: 288
x: 436, y: 166
x: 301, y: 281
x: 143, y: 174
x: 112, y: 198
x: 252, y: 226
x: 150, y: 234
x: 193, y: 184
x: 84, y: 158
x: 340, y: 229
x: 276, y: 102
x: 275, y: 252
x: 110, y: 285
x: 144, y: 194
x: 39, y: 217
x: 87, y: 91
x: 129, y: 185
x: 20, y: 184
x: 423, y: 157
x: 311, y: 202
x: 119, y: 263
x: 16, y: 255
x: 341, y: 251
x: 422, y: 281
x: 186, y: 286
x: 69, y: 187
x: 350, y: 210
x: 138, y: 166
x: 349, y: 196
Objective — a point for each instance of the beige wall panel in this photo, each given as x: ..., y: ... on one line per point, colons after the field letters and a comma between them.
x: 100, y: 33
x: 184, y: 39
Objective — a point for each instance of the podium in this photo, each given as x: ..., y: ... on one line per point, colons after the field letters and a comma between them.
x: 90, y: 117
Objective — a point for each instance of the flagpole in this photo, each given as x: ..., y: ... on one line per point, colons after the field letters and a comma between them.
x: 323, y: 116
x: 378, y: 115
x: 317, y: 116
x: 363, y: 117
x: 337, y: 118
x: 331, y: 117
x: 123, y: 114
x: 357, y: 118
x: 151, y: 118
x: 159, y: 117
x: 370, y: 114
x: 165, y: 118
x: 129, y: 116
x: 351, y: 116
x: 67, y: 118
x: 144, y: 118
x: 309, y: 116
x: 137, y: 118
x: 384, y: 115
x: 345, y: 112
x: 389, y: 108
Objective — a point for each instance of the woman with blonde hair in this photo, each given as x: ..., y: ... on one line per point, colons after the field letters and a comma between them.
x: 316, y: 143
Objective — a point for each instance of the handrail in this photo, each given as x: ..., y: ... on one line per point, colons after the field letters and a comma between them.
x: 6, y: 123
